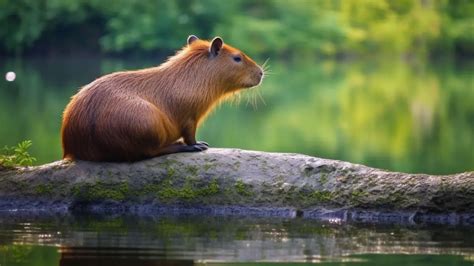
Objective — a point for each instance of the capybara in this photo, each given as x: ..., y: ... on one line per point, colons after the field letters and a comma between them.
x: 133, y: 115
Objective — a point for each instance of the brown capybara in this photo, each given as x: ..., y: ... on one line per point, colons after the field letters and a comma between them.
x: 133, y: 115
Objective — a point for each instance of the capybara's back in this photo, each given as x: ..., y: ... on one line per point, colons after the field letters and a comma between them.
x: 101, y: 124
x: 132, y: 115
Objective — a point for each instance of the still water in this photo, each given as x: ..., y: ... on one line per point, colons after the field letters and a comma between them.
x: 416, y: 117
x: 198, y: 240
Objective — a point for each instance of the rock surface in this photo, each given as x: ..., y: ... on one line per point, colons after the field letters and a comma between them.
x: 240, y: 182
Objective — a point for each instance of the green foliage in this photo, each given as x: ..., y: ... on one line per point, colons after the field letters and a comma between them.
x: 388, y: 26
x: 457, y: 27
x: 17, y: 155
x: 266, y: 28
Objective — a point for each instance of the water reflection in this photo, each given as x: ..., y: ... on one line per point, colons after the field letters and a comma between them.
x: 72, y: 256
x: 190, y: 240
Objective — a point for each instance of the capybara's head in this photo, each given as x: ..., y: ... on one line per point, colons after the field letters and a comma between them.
x: 225, y: 63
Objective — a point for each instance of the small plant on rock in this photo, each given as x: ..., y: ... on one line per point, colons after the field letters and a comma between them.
x: 17, y: 155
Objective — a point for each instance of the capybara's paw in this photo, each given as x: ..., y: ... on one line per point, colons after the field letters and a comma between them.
x: 200, y: 147
x: 203, y: 143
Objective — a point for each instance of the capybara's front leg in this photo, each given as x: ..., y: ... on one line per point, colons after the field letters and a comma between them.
x: 189, y: 136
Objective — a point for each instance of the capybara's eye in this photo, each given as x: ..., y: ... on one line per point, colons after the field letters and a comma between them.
x: 237, y: 58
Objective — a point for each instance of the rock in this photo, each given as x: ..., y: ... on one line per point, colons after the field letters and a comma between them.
x: 237, y: 181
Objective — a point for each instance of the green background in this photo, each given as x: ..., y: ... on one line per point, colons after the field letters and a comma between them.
x: 384, y: 83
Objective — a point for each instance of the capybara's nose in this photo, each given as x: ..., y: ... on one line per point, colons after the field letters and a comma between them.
x: 260, y: 73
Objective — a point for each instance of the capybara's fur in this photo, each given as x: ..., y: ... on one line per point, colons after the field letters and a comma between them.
x: 133, y: 115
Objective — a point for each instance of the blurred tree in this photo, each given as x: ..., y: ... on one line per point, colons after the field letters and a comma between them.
x: 268, y: 28
x: 390, y: 27
x: 457, y: 32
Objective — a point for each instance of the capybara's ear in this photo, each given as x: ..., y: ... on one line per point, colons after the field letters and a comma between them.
x: 192, y: 38
x: 216, y: 46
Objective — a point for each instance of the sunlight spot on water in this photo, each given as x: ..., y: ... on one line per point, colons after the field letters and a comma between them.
x: 10, y: 76
x: 335, y: 221
x: 469, y: 258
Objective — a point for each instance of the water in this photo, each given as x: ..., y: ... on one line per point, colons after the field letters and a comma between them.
x: 198, y: 240
x: 387, y: 114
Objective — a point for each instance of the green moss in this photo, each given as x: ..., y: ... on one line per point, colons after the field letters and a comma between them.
x: 192, y: 170
x: 396, y: 197
x: 213, y: 187
x: 356, y: 196
x: 207, y: 166
x: 306, y: 198
x: 323, y: 179
x: 75, y: 190
x: 171, y: 171
x: 188, y: 192
x: 228, y: 191
x: 43, y: 189
x: 320, y: 196
x: 102, y: 191
x: 242, y: 188
x: 168, y: 193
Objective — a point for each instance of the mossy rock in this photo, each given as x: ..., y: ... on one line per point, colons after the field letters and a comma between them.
x: 231, y: 177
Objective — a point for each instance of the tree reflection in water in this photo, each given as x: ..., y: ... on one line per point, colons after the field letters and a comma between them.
x: 68, y: 240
